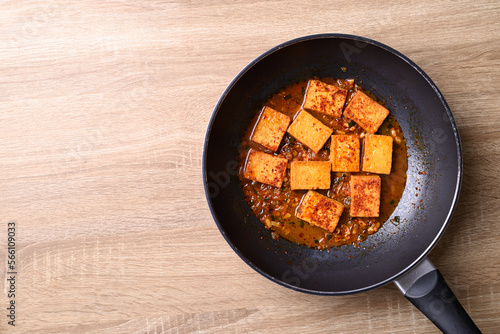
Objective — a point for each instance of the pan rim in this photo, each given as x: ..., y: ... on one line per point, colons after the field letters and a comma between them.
x: 442, y: 100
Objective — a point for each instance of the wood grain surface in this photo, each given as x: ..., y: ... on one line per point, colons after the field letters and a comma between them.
x: 104, y: 107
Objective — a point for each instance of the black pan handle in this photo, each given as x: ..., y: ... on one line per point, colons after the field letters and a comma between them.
x: 425, y: 287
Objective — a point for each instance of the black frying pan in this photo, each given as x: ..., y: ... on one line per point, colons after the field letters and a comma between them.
x: 397, y: 252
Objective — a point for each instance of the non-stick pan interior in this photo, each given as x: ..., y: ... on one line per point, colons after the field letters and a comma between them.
x: 434, y: 171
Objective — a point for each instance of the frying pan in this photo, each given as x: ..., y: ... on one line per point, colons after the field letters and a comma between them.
x: 397, y: 252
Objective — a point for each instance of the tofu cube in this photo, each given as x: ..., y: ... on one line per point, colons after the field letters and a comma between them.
x: 345, y: 153
x: 325, y: 99
x: 309, y: 131
x: 365, y: 195
x: 310, y: 175
x: 377, y: 154
x: 366, y: 112
x: 270, y: 128
x: 319, y: 210
x: 265, y: 168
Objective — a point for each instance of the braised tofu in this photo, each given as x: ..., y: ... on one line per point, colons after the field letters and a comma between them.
x: 365, y: 195
x: 319, y: 210
x: 270, y: 128
x: 345, y: 153
x: 377, y: 154
x: 323, y: 98
x: 309, y: 131
x: 366, y: 112
x: 309, y: 175
x: 265, y: 168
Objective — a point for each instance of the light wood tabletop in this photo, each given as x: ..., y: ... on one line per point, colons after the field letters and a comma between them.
x: 104, y: 108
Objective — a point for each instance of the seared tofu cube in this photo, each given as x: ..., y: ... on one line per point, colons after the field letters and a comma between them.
x: 309, y: 131
x: 319, y: 210
x: 377, y: 154
x: 265, y: 168
x: 345, y: 153
x: 365, y: 195
x: 270, y: 128
x: 310, y: 175
x: 366, y: 112
x: 325, y: 99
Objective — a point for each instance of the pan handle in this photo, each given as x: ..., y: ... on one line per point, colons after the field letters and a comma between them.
x: 425, y: 287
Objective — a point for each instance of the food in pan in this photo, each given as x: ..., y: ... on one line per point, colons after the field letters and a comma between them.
x: 324, y: 98
x: 309, y: 131
x: 323, y: 163
x: 265, y: 168
x: 309, y: 175
x: 344, y: 153
x: 366, y: 112
x: 365, y: 195
x: 320, y: 210
x: 270, y: 128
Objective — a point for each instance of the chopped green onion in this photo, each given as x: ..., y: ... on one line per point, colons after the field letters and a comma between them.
x: 389, y: 126
x: 329, y: 236
x: 287, y: 97
x: 344, y: 69
x: 272, y: 217
x: 301, y: 223
x: 351, y: 123
x: 396, y: 219
x: 316, y: 241
x: 392, y: 202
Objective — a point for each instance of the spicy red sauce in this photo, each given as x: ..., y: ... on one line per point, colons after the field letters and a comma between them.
x: 275, y: 207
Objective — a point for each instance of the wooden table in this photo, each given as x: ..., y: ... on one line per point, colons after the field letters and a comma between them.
x: 104, y: 107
